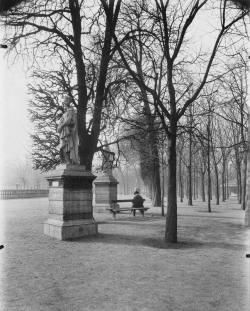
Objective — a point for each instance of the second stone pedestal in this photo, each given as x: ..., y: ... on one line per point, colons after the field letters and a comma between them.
x: 105, y: 191
x: 70, y: 203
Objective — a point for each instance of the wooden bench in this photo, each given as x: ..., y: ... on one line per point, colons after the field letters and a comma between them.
x: 115, y: 210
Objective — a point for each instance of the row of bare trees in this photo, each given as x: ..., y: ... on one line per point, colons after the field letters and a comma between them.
x: 19, y: 174
x: 133, y: 70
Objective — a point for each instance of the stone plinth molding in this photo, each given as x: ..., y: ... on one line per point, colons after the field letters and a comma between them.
x: 105, y: 192
x: 70, y: 203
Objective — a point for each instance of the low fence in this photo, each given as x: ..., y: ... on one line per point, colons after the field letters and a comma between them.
x: 17, y: 194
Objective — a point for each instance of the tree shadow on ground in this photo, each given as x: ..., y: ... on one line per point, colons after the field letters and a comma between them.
x: 209, y: 215
x: 212, y: 212
x: 157, y: 243
x: 120, y: 239
x: 123, y: 220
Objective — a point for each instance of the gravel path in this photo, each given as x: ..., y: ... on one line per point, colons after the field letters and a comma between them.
x: 127, y: 267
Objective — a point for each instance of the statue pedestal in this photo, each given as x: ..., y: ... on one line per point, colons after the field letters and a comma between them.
x: 70, y: 203
x: 105, y: 191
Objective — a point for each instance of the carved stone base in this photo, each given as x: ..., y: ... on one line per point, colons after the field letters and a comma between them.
x: 70, y: 203
x: 105, y: 192
x: 70, y: 229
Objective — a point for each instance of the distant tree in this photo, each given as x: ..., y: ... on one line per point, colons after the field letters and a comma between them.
x: 44, y: 111
x: 22, y: 171
x: 234, y: 84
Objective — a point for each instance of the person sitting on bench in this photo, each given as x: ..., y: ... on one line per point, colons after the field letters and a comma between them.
x: 137, y: 202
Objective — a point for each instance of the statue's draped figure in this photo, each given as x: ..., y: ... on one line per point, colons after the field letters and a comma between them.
x: 67, y: 129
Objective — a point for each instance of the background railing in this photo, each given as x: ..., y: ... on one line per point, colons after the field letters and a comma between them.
x: 15, y: 194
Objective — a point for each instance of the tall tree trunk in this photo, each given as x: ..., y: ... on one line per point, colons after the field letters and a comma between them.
x: 209, y: 188
x: 197, y: 185
x: 163, y: 179
x: 222, y: 186
x: 162, y: 189
x: 180, y: 180
x: 88, y: 140
x: 244, y: 186
x: 223, y: 178
x: 190, y: 163
x: 127, y: 179
x: 194, y: 183
x: 217, y: 185
x: 239, y: 194
x: 86, y: 156
x: 156, y: 182
x: 190, y: 202
x: 242, y: 134
x: 203, y: 187
x: 171, y: 217
x: 182, y: 190
x: 227, y: 183
x: 247, y: 210
x: 208, y: 170
x: 186, y: 186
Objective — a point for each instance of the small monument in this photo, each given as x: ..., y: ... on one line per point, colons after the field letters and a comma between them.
x: 105, y: 183
x: 70, y: 187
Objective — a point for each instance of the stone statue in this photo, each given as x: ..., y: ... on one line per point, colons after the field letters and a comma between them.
x: 67, y: 129
x: 107, y: 161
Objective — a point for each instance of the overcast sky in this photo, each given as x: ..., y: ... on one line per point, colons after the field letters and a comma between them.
x: 13, y: 111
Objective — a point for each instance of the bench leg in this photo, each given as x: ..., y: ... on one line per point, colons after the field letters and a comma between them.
x: 134, y: 213
x: 142, y: 212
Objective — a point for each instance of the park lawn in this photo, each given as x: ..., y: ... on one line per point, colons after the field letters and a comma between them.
x: 127, y: 266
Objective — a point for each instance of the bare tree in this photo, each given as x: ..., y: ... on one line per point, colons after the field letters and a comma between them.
x: 171, y: 29
x: 52, y: 34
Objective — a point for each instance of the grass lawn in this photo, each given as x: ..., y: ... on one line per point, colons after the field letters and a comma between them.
x: 127, y: 266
